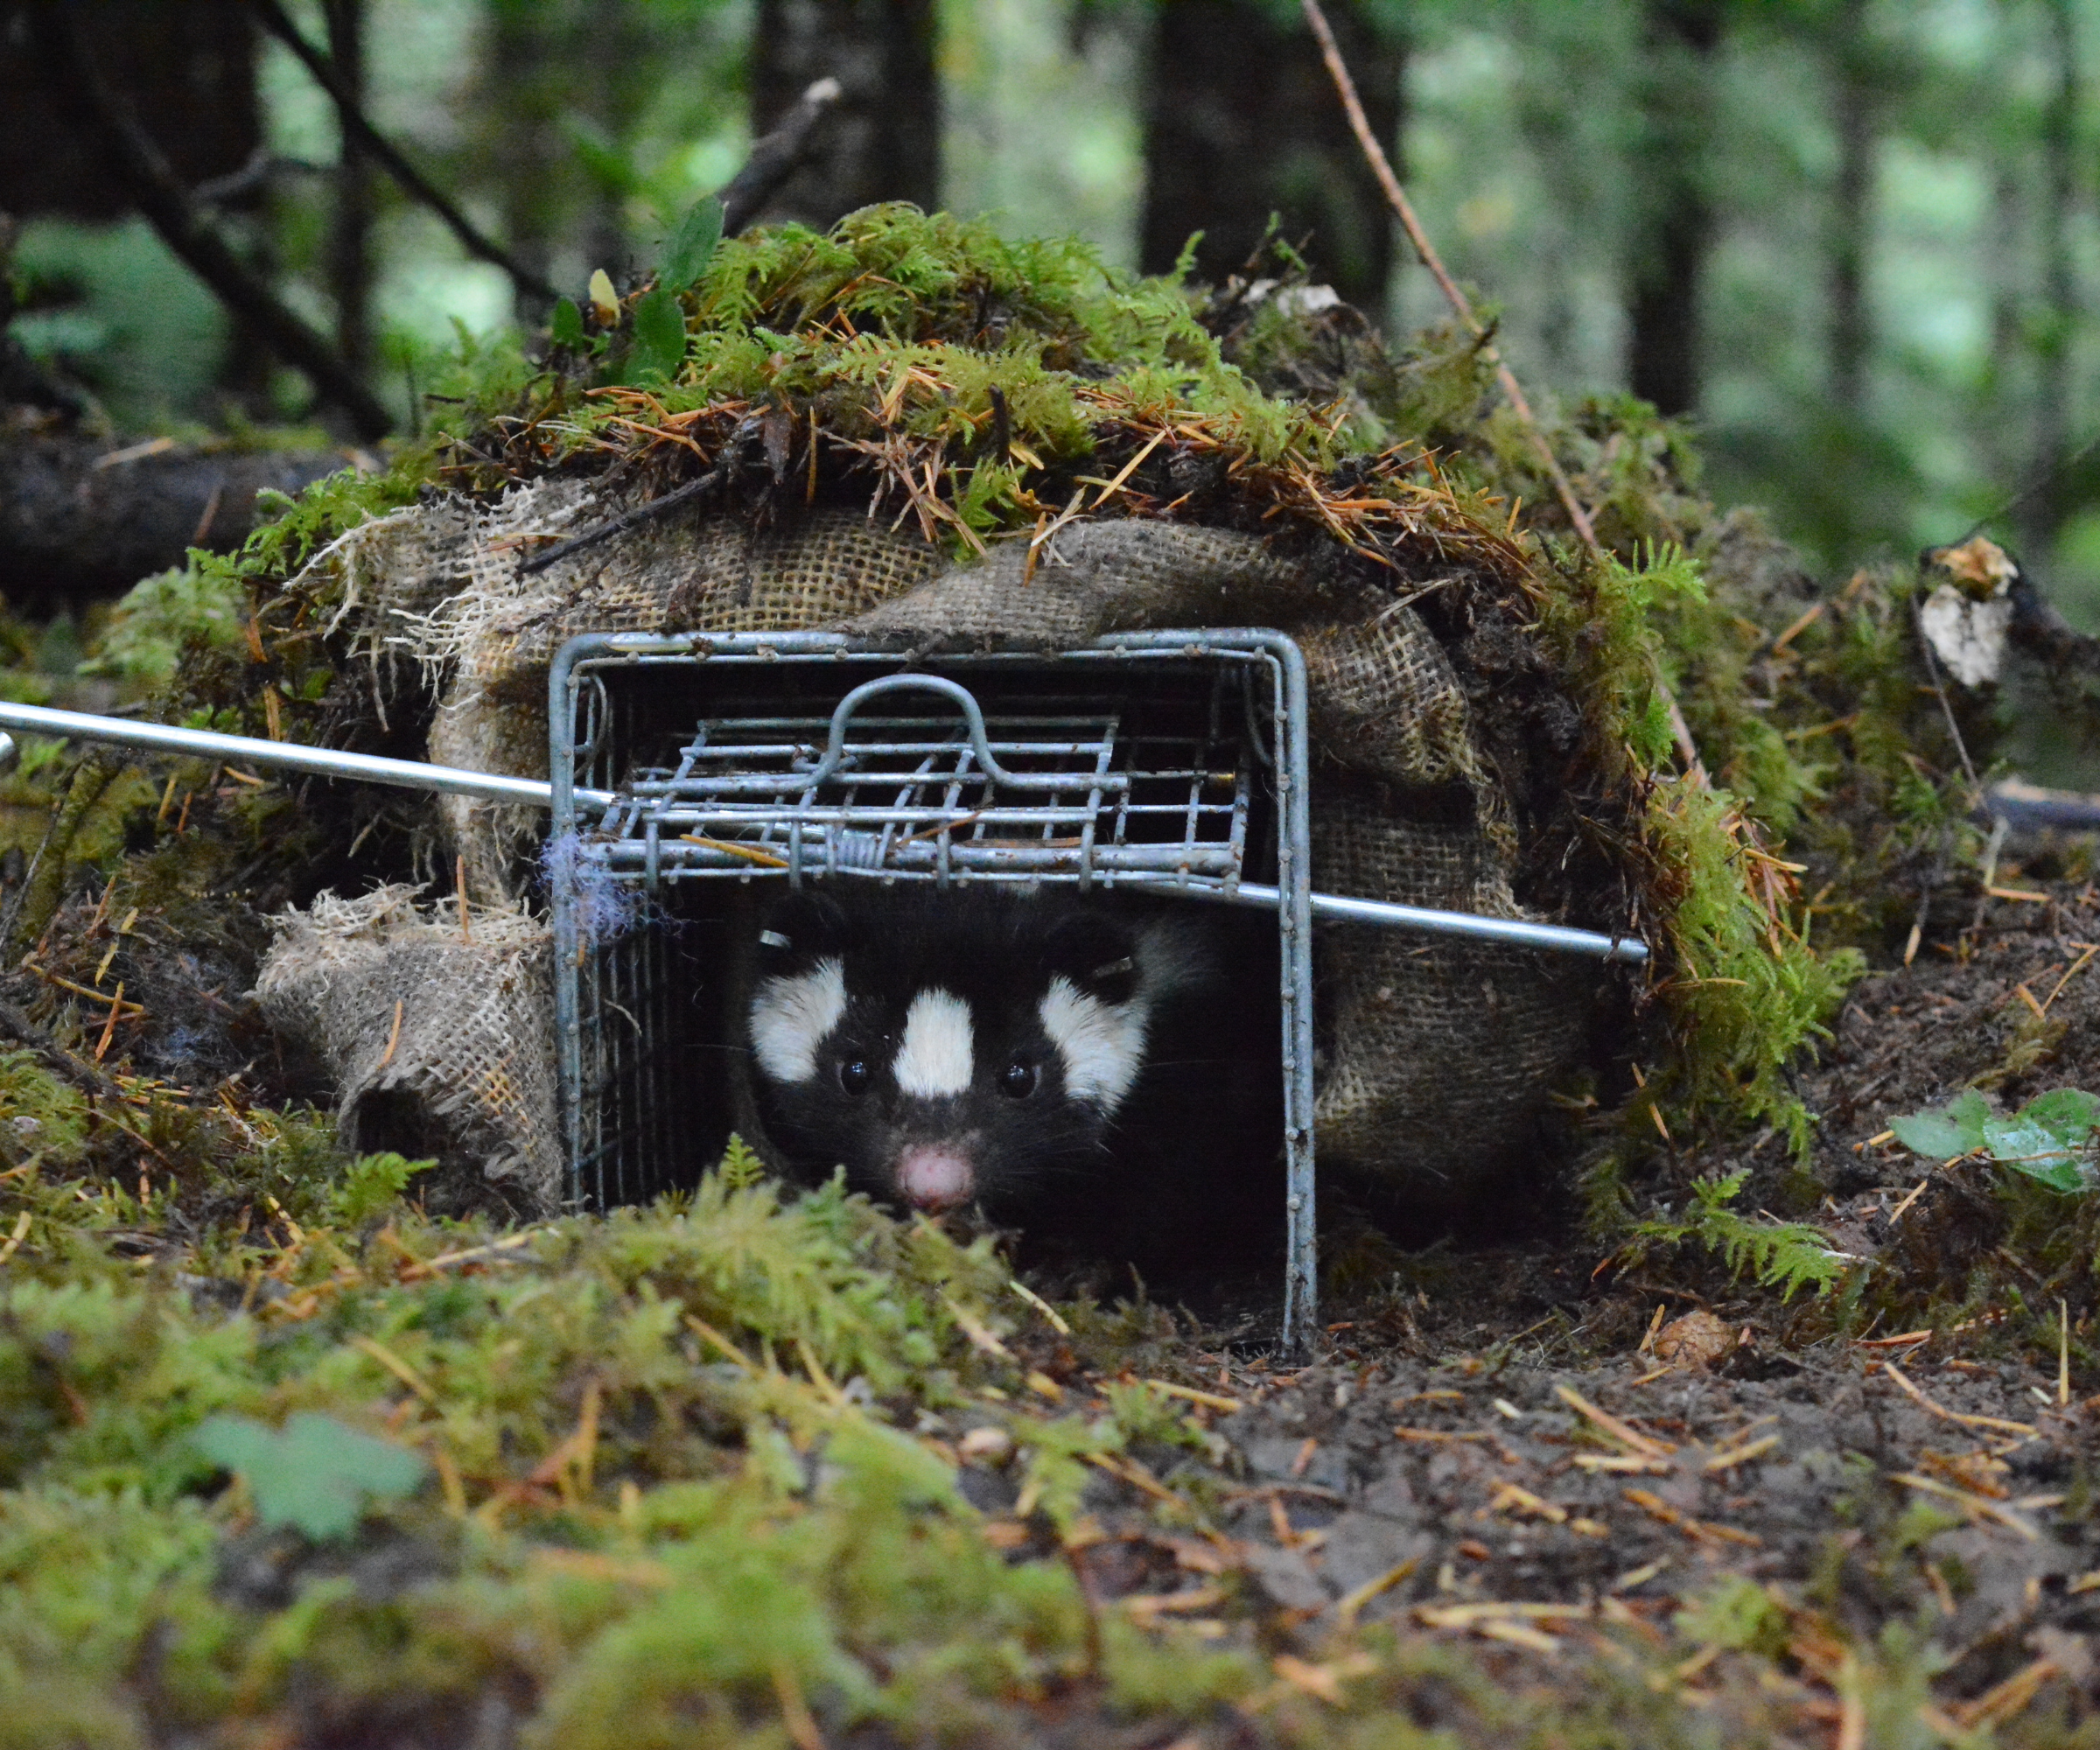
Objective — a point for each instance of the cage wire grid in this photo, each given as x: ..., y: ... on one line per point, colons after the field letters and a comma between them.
x: 1044, y: 768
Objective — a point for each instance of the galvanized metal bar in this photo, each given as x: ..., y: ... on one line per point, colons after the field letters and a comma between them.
x: 563, y: 691
x: 323, y: 762
x: 965, y: 702
x: 676, y: 856
x: 1294, y: 922
x: 1516, y: 932
x: 1194, y: 873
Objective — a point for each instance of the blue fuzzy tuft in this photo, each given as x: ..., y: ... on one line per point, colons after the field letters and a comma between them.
x: 605, y: 907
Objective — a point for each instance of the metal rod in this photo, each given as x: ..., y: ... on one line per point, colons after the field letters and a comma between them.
x: 1338, y: 908
x: 1126, y: 865
x: 415, y: 774
x: 1291, y: 762
x: 326, y: 762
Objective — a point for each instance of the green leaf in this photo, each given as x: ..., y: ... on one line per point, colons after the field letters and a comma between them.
x: 2068, y: 1177
x: 691, y: 246
x: 2068, y: 1113
x: 1952, y: 1129
x: 2016, y: 1142
x: 565, y: 327
x: 314, y: 1474
x: 659, y: 337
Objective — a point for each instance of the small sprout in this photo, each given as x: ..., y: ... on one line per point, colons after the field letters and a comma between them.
x: 373, y: 1182
x: 1738, y: 1614
x: 741, y: 1167
x: 1782, y: 1254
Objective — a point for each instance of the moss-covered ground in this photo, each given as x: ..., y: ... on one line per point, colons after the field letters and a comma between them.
x: 322, y: 1471
x: 1749, y: 1426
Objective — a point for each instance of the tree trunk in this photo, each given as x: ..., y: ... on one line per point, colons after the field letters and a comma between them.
x: 186, y: 71
x: 2004, y: 445
x: 1852, y: 213
x: 1673, y: 214
x: 1242, y: 122
x: 884, y: 144
x: 522, y: 153
x: 2043, y: 512
x: 350, y: 238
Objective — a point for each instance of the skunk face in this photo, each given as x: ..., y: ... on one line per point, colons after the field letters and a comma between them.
x: 949, y: 1048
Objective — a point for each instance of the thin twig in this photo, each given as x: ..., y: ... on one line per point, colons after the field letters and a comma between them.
x: 394, y: 1037
x: 1462, y: 307
x: 140, y: 166
x: 1946, y: 1415
x: 412, y: 180
x: 627, y: 520
x: 1396, y: 196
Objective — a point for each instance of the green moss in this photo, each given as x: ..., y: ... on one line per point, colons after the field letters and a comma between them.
x: 749, y: 1514
x: 1748, y: 991
x: 164, y: 615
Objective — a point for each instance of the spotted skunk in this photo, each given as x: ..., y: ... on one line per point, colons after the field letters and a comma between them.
x: 1101, y: 1074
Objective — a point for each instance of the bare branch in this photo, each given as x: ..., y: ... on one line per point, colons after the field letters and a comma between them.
x: 776, y: 157
x: 648, y: 512
x: 1462, y: 307
x: 412, y: 180
x: 1382, y: 167
x: 142, y: 170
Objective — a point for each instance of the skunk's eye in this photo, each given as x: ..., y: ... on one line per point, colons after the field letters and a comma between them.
x: 1018, y: 1080
x: 853, y: 1077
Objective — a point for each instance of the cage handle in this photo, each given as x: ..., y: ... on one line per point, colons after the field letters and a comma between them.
x: 973, y: 718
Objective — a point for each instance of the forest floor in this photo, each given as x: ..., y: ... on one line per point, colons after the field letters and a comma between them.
x: 1589, y: 1478
x: 735, y: 1472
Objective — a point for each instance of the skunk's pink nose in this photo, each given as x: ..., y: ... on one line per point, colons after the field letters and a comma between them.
x: 935, y: 1177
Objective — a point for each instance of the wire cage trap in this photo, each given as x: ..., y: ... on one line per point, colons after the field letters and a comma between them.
x: 687, y: 769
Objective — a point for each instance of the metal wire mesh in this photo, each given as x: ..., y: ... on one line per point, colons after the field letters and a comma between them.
x: 1173, y: 759
x: 1078, y: 793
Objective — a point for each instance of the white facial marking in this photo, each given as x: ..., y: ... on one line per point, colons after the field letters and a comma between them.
x: 1102, y: 1044
x: 791, y: 1016
x: 939, y: 1053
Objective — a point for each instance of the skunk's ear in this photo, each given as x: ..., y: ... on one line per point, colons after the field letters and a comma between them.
x: 800, y: 926
x: 1097, y: 952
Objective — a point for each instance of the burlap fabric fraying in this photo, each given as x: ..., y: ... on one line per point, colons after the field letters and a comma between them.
x: 439, y: 1031
x: 1435, y: 1057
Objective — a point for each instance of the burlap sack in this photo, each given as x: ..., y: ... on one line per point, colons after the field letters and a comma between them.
x: 1435, y: 1056
x: 440, y: 1036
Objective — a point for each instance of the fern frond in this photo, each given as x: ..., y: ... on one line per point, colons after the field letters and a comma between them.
x: 1788, y: 1255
